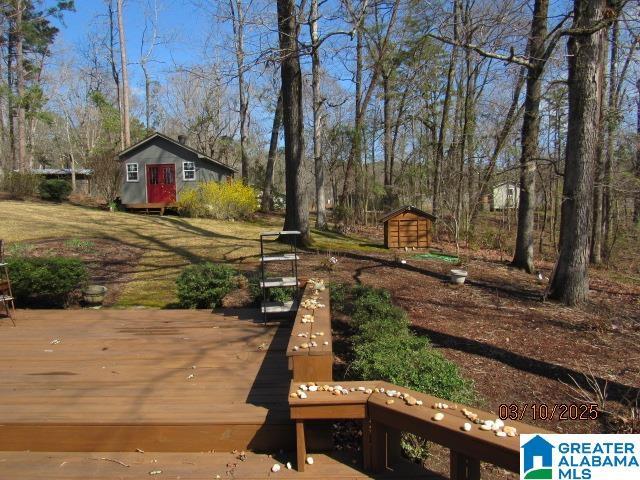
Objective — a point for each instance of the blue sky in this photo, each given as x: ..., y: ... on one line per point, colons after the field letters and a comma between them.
x: 178, y: 19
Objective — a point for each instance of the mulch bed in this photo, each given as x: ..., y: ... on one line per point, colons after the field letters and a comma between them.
x: 110, y: 263
x: 518, y: 349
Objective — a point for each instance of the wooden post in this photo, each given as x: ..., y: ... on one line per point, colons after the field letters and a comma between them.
x: 366, y: 445
x: 385, y: 447
x: 378, y: 448
x: 301, y: 447
x: 463, y: 467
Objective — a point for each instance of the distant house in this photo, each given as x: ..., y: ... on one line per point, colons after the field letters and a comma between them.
x: 83, y: 177
x: 156, y: 170
x: 505, y: 195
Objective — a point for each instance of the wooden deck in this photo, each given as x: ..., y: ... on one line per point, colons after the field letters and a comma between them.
x: 163, y: 381
x: 184, y: 466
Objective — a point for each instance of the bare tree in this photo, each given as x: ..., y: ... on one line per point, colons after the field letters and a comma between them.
x: 149, y: 41
x: 20, y: 130
x: 636, y: 169
x: 321, y: 221
x: 115, y: 72
x: 126, y: 120
x: 238, y: 22
x: 297, y: 209
x: 267, y: 191
x: 570, y: 282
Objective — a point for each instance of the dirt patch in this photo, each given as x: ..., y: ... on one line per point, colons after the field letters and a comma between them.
x: 110, y: 263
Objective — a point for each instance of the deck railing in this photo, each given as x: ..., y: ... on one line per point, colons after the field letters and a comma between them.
x: 386, y: 410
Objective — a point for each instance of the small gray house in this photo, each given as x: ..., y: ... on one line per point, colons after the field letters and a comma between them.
x: 158, y: 168
x: 505, y: 195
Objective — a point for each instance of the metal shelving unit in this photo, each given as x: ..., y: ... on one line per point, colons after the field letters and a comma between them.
x: 290, y: 281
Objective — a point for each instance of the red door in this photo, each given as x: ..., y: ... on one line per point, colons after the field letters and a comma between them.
x: 161, y: 183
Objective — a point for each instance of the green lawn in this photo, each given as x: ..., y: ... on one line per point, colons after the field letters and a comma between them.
x: 169, y: 243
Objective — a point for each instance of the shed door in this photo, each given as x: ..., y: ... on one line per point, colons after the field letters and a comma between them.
x: 407, y: 233
x: 161, y: 183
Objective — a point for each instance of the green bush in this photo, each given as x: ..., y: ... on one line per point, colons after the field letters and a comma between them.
x: 276, y: 294
x: 384, y: 348
x: 19, y: 185
x: 54, y: 189
x: 45, y: 282
x: 218, y: 200
x: 204, y: 285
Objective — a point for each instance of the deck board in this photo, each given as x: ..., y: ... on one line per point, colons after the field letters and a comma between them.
x: 185, y: 466
x: 91, y: 379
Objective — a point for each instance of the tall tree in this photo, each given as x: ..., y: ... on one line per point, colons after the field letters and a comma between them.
x: 318, y: 161
x: 523, y: 257
x: 570, y: 282
x: 297, y: 209
x: 238, y: 23
x: 267, y: 192
x: 126, y: 119
x: 636, y: 170
x: 20, y: 130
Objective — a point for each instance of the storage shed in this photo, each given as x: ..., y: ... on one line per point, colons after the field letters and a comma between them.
x: 407, y: 227
x: 156, y: 170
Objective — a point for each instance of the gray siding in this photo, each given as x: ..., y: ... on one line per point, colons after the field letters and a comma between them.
x: 160, y: 151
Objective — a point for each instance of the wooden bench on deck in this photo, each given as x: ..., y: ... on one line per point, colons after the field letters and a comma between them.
x: 315, y: 363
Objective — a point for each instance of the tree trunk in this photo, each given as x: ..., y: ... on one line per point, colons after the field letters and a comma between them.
x: 512, y: 115
x: 444, y: 118
x: 126, y: 125
x: 147, y: 94
x: 10, y: 101
x: 571, y: 282
x: 321, y: 220
x: 595, y: 255
x: 21, y: 140
x: 636, y: 202
x: 523, y: 257
x: 612, y: 127
x: 387, y: 108
x: 297, y: 209
x: 267, y: 193
x: 114, y: 68
x: 238, y: 31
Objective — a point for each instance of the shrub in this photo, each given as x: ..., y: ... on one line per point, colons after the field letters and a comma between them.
x: 204, y: 285
x: 19, y: 185
x: 54, y: 189
x: 386, y: 349
x: 45, y: 282
x: 219, y: 200
x: 276, y: 294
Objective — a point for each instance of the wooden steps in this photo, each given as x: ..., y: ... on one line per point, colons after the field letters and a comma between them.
x: 184, y: 466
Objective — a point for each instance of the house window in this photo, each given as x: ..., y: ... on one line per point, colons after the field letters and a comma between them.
x: 132, y: 172
x: 188, y: 171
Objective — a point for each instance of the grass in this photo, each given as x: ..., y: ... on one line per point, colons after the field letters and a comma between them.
x: 169, y: 243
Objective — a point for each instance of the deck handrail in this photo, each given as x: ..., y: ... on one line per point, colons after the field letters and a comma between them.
x: 392, y: 409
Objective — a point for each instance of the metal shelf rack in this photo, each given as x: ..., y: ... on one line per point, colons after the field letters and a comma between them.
x: 290, y: 281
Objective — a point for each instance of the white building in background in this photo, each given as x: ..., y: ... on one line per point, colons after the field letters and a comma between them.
x: 505, y: 195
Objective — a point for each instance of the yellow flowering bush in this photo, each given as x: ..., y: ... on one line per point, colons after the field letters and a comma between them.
x: 219, y: 200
